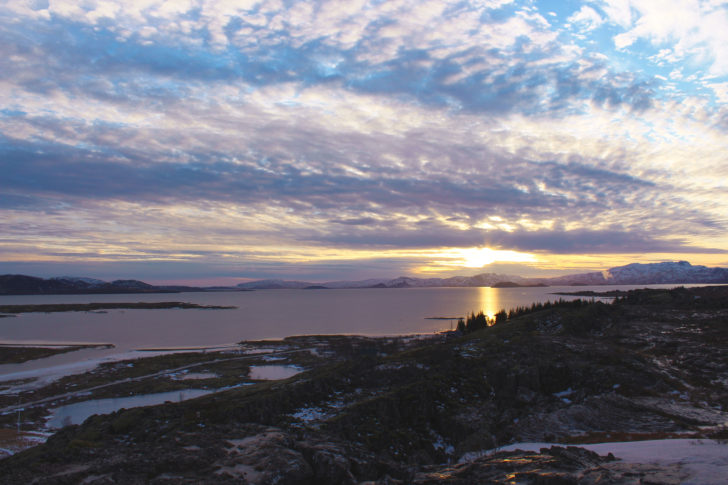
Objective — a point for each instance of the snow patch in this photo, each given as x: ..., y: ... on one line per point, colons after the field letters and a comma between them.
x: 441, y: 444
x: 307, y: 415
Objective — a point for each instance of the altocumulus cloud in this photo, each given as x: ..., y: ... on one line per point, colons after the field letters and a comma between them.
x: 205, y: 132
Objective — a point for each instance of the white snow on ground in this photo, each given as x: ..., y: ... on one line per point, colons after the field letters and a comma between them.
x: 565, y: 393
x: 312, y: 415
x: 562, y: 395
x: 307, y: 415
x: 706, y: 461
x: 441, y: 444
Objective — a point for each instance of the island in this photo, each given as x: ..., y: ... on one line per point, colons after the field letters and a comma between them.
x: 100, y: 307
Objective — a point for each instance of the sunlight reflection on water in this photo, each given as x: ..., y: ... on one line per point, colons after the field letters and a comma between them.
x: 490, y: 302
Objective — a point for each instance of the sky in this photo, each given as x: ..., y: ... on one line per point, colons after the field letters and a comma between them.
x: 218, y: 141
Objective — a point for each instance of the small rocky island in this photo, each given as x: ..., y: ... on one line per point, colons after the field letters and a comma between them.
x: 99, y: 307
x: 651, y: 365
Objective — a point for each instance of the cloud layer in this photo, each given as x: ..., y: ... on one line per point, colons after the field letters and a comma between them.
x: 329, y: 138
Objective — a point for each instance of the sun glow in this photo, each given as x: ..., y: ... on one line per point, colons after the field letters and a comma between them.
x: 479, y: 257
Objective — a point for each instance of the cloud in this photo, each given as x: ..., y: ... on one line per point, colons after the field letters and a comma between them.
x: 586, y: 241
x: 471, y: 186
x: 693, y: 29
x: 209, y: 130
x: 515, y: 64
x: 587, y: 18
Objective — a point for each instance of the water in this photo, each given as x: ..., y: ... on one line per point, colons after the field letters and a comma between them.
x: 273, y: 372
x: 263, y: 314
x: 78, y: 412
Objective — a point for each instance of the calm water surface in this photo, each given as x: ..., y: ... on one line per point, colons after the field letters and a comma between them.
x: 263, y: 314
x: 78, y: 412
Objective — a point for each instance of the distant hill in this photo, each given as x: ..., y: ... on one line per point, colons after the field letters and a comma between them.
x: 485, y: 279
x: 30, y: 285
x: 632, y: 274
x: 275, y: 285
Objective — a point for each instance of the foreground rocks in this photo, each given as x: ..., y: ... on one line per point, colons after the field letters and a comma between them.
x: 650, y: 366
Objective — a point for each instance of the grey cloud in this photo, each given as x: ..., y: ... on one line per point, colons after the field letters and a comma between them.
x: 21, y: 202
x: 587, y: 241
x: 76, y: 172
x: 467, y: 180
x: 360, y: 221
x: 584, y: 241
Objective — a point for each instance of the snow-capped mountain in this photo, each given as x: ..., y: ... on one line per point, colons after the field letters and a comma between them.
x: 681, y: 271
x: 80, y: 279
x: 646, y: 274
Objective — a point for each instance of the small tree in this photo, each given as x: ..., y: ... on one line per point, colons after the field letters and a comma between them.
x: 501, y: 317
x: 476, y: 322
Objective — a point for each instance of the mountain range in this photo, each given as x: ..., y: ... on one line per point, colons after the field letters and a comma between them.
x: 14, y: 284
x: 680, y: 272
x: 631, y: 274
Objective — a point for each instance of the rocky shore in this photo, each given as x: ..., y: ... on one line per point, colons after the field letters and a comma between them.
x: 652, y: 365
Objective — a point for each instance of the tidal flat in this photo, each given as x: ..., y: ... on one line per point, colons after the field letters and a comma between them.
x: 425, y: 409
